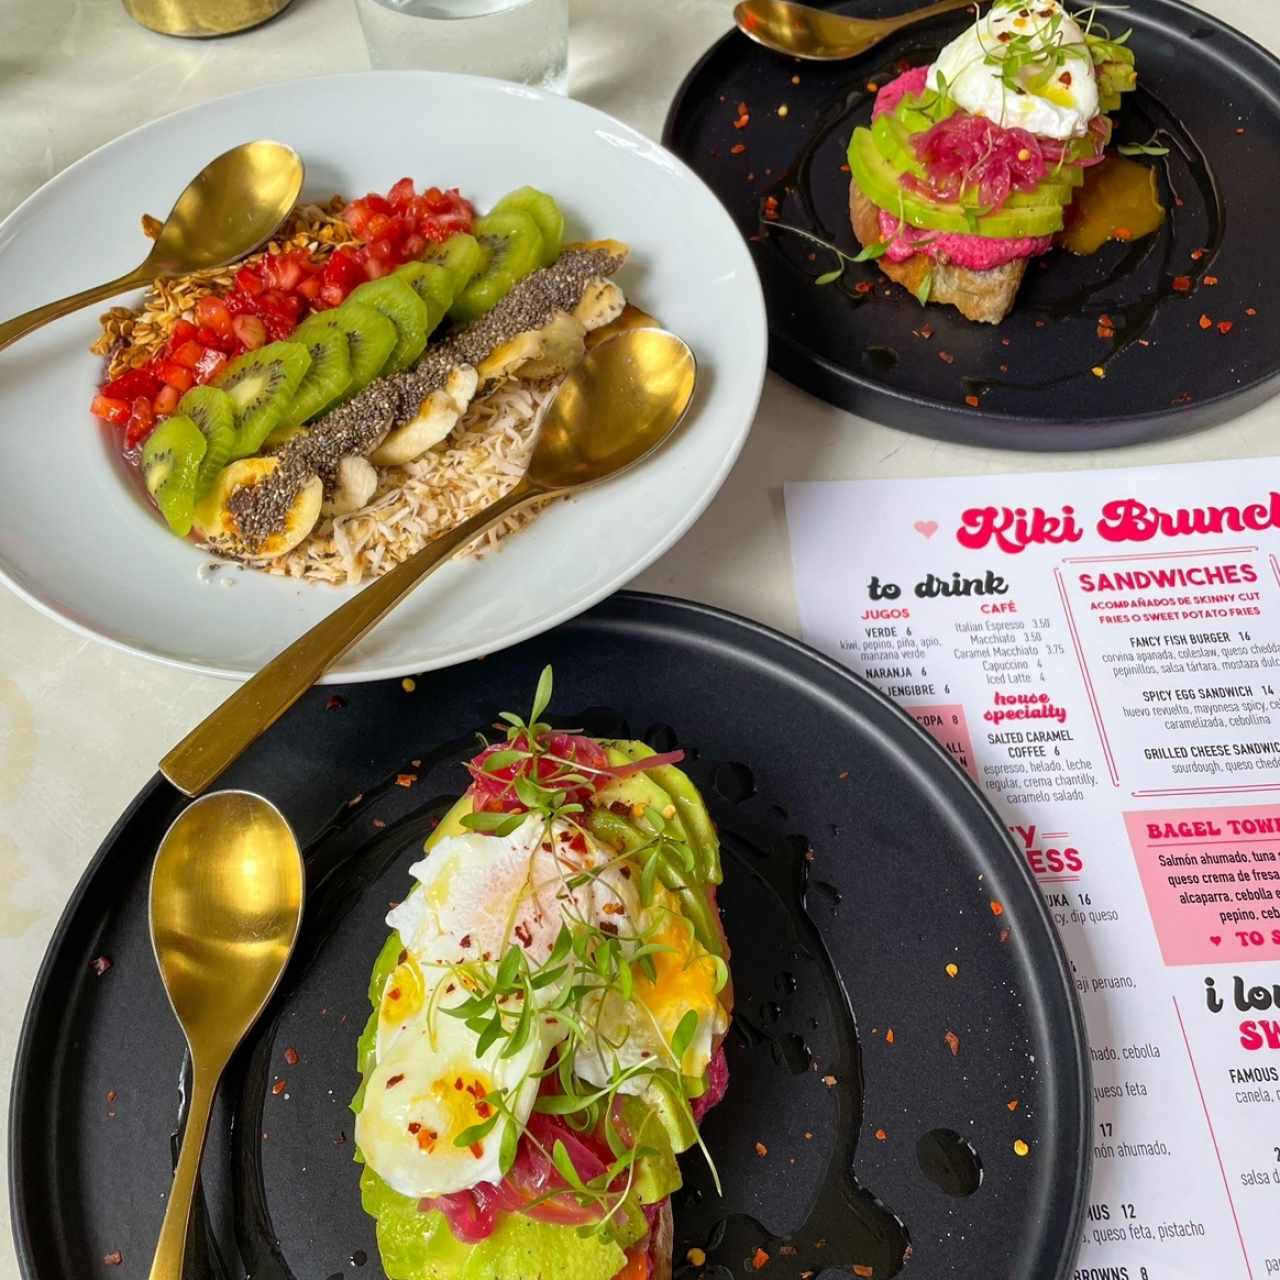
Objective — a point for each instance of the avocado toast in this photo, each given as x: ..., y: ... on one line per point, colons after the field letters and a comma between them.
x: 548, y: 1018
x: 969, y: 167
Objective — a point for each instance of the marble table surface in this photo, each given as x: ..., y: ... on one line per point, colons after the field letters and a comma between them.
x: 81, y: 726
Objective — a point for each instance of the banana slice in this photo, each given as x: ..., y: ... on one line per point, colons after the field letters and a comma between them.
x: 538, y: 353
x: 215, y: 523
x: 437, y: 416
x: 614, y: 248
x: 601, y: 303
x: 354, y: 484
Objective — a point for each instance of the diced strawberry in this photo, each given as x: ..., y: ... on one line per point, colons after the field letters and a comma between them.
x: 250, y: 330
x: 282, y: 271
x: 331, y: 295
x: 166, y: 400
x: 110, y: 409
x: 187, y: 354
x: 131, y: 384
x: 142, y: 419
x: 344, y: 269
x: 377, y: 203
x: 413, y: 246
x: 382, y: 249
x: 213, y: 314
x: 379, y: 267
x: 437, y: 200
x: 401, y: 193
x: 249, y: 281
x: 309, y: 288
x: 183, y: 331
x: 176, y: 375
x: 210, y: 364
x: 381, y: 227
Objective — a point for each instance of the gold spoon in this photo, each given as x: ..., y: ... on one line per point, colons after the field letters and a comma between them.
x: 802, y: 31
x: 226, y: 905
x: 233, y: 205
x: 617, y: 406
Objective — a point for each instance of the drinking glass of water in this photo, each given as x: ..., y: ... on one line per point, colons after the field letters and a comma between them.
x: 522, y: 40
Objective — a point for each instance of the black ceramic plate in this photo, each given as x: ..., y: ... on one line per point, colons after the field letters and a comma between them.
x: 794, y: 754
x: 1214, y: 98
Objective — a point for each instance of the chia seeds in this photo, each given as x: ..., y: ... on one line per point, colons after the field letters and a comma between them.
x: 359, y: 425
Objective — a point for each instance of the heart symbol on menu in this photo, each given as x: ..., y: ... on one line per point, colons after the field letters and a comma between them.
x: 926, y: 528
x: 1215, y: 939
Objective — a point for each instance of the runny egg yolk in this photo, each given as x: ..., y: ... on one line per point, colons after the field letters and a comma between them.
x: 686, y: 978
x: 458, y: 1097
x: 404, y: 993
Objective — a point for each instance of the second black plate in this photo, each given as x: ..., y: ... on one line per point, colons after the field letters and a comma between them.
x: 956, y: 1099
x: 1212, y: 95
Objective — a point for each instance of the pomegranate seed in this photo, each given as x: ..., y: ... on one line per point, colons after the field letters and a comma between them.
x: 166, y: 400
x: 250, y: 330
x: 110, y: 409
x: 213, y: 314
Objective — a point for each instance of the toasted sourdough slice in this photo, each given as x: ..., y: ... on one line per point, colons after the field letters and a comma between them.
x: 985, y: 296
x: 661, y: 1242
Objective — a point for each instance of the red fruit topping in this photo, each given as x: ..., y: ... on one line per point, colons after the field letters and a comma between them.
x: 212, y: 313
x: 377, y: 268
x: 187, y: 353
x: 109, y: 409
x: 401, y: 193
x: 309, y: 288
x: 250, y: 282
x: 132, y: 383
x: 282, y: 271
x: 166, y: 400
x: 413, y: 246
x: 176, y: 375
x: 142, y: 419
x: 209, y: 365
x: 183, y: 331
x: 250, y: 331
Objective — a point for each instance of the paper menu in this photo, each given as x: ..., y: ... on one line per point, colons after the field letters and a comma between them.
x: 1101, y: 652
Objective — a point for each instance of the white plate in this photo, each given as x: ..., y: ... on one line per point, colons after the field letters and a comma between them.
x: 78, y: 538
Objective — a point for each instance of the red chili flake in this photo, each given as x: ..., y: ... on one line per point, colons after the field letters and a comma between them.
x: 1065, y: 78
x: 859, y: 1269
x: 112, y: 1259
x: 771, y: 206
x: 291, y: 1056
x: 335, y: 703
x: 1012, y: 1104
x: 1004, y: 368
x: 1003, y: 935
x: 1205, y: 322
x: 100, y: 965
x: 378, y: 823
x: 476, y: 1149
x: 406, y: 779
x: 742, y: 121
x: 278, y: 1088
x: 1197, y: 254
x: 879, y: 1135
x: 1143, y: 342
x: 737, y: 149
x: 1005, y: 342
x: 1211, y: 281
x: 427, y: 1139
x: 946, y: 357
x: 997, y: 908
x: 394, y: 1080
x: 953, y: 1042
x: 925, y: 331
x: 759, y: 1260
x: 795, y: 79
x: 1181, y: 284
x: 742, y: 108
x: 1251, y: 311
x: 1240, y: 130
x: 1225, y: 326
x: 1040, y: 324
x: 863, y: 286
x: 355, y: 800
x: 830, y: 1081
x: 1105, y: 330
x: 888, y: 1036
x: 483, y: 1110
x: 761, y: 1150
x: 872, y: 87
x: 112, y: 1095
x: 844, y: 168
x: 972, y: 401
x: 1005, y: 37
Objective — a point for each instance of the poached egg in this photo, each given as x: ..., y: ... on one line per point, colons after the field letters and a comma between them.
x: 477, y: 896
x: 1054, y: 95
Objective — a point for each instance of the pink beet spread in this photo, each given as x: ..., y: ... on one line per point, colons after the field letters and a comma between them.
x: 961, y: 249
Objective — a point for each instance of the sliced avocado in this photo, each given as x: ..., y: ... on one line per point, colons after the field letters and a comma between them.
x: 657, y: 1174
x: 893, y: 141
x: 665, y: 1094
x: 879, y: 182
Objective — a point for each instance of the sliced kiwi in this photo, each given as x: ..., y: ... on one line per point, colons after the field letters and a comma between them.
x: 262, y: 384
x: 544, y: 211
x: 328, y: 376
x: 371, y: 337
x: 515, y: 250
x: 214, y: 412
x: 395, y: 299
x: 171, y: 461
x: 433, y: 284
x: 461, y: 255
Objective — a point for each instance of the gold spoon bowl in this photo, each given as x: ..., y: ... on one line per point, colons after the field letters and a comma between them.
x: 230, y: 208
x: 624, y: 399
x: 226, y: 906
x: 816, y: 35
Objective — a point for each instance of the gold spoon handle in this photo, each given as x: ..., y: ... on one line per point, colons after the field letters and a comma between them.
x: 172, y: 1245
x: 929, y: 11
x: 220, y: 739
x: 20, y: 326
